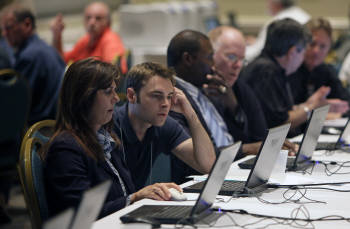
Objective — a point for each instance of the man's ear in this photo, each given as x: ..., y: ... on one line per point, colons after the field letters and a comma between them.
x: 131, y: 95
x: 28, y: 25
x: 187, y: 59
x: 292, y: 51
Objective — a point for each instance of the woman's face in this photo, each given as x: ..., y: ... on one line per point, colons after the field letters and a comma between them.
x: 103, y: 106
x: 318, y: 49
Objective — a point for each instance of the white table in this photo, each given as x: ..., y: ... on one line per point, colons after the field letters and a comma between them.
x: 337, y: 203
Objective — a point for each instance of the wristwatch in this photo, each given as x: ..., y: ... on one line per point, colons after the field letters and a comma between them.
x: 307, y: 111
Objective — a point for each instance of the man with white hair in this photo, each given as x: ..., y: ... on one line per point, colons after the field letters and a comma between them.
x: 238, y: 106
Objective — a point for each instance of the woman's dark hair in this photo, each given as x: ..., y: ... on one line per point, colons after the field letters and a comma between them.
x: 80, y: 84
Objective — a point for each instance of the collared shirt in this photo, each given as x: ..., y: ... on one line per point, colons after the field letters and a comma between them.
x: 107, y: 48
x: 140, y: 155
x: 213, y: 119
x: 43, y: 68
x: 268, y: 81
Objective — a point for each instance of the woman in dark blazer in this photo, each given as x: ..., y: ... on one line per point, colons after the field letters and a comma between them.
x: 84, y: 151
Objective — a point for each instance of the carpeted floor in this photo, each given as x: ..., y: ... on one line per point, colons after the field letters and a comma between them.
x: 17, y: 211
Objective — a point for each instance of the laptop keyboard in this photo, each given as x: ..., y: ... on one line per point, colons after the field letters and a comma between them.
x: 325, y: 145
x: 160, y: 211
x: 226, y: 186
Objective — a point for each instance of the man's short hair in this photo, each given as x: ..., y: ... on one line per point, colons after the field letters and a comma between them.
x: 139, y: 75
x: 185, y: 41
x: 21, y: 13
x: 318, y: 24
x: 284, y: 34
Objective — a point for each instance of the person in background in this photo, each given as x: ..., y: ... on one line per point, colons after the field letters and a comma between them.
x: 38, y: 62
x: 146, y: 130
x: 268, y: 75
x: 244, y: 115
x: 99, y: 41
x: 279, y: 9
x: 315, y: 73
x: 84, y: 150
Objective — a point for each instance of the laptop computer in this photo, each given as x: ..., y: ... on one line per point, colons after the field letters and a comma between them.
x: 262, y: 168
x: 179, y: 214
x: 90, y: 206
x: 302, y: 160
x: 345, y: 132
x: 61, y: 221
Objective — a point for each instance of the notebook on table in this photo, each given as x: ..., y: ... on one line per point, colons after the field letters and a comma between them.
x: 302, y: 160
x: 262, y: 167
x: 172, y: 214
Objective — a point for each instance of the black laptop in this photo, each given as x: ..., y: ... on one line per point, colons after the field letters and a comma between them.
x: 345, y: 132
x: 262, y: 167
x: 302, y: 160
x: 201, y: 211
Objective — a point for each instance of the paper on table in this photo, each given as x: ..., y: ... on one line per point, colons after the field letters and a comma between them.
x: 237, y: 174
x: 321, y: 138
x: 296, y: 179
x: 336, y: 122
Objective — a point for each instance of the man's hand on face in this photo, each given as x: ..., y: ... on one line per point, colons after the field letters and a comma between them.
x: 180, y: 103
x: 217, y: 88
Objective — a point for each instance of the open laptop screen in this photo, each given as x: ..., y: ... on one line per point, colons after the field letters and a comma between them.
x: 313, y: 131
x: 216, y: 179
x: 264, y: 164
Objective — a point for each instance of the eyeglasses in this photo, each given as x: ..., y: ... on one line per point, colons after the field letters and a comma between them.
x: 234, y: 58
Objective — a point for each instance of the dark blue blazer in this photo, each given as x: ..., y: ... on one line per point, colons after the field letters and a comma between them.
x: 69, y: 171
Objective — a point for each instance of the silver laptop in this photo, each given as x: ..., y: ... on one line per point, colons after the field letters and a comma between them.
x: 61, y: 221
x: 184, y: 214
x: 90, y: 206
x: 262, y: 167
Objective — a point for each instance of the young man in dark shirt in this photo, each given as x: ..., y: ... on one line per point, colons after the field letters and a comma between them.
x: 146, y: 130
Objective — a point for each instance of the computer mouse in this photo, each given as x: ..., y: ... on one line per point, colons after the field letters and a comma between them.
x: 331, y: 130
x: 176, y: 195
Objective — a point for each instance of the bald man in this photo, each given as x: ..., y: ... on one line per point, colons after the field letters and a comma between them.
x: 100, y: 41
x: 238, y: 104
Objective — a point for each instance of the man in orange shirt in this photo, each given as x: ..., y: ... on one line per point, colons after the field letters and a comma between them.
x: 100, y: 41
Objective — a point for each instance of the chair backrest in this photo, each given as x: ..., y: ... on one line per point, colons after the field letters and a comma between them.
x: 14, y: 104
x: 31, y: 176
x: 42, y: 130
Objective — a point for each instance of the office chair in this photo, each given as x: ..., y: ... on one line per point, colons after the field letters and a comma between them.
x: 30, y: 170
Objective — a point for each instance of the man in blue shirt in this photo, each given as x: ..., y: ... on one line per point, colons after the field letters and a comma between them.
x: 39, y: 63
x: 145, y: 130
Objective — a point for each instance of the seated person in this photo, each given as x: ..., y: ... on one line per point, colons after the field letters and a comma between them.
x: 36, y: 61
x: 191, y: 55
x: 146, y: 130
x: 84, y: 151
x: 268, y: 76
x: 99, y: 41
x: 314, y: 72
x: 243, y: 116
